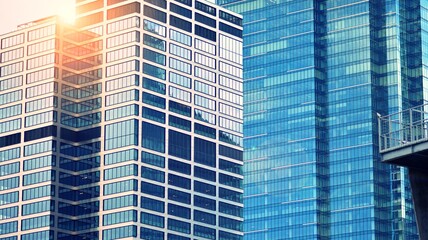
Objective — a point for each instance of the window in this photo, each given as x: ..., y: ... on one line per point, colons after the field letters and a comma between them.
x: 204, y: 188
x: 203, y: 202
x: 41, y: 47
x: 154, y: 100
x: 11, y: 55
x: 155, y: 14
x: 205, y: 152
x: 10, y: 83
x: 180, y: 10
x: 159, y: 3
x: 180, y: 51
x: 119, y: 217
x: 205, y: 102
x: 42, y: 75
x: 204, y: 173
x: 231, y: 30
x: 178, y: 211
x: 180, y: 23
x: 153, y: 189
x: 120, y: 202
x: 205, y: 74
x: 231, y: 83
x: 154, y: 56
x: 12, y: 41
x: 123, y: 10
x: 205, y: 88
x: 153, y: 137
x: 180, y: 108
x: 230, y: 124
x: 205, y: 8
x: 152, y: 159
x: 179, y: 123
x: 205, y: 116
x: 42, y: 89
x: 205, y: 131
x: 205, y: 20
x: 180, y: 37
x: 178, y: 166
x: 11, y: 69
x: 151, y: 204
x: 39, y: 162
x: 115, y: 113
x: 179, y: 145
x: 229, y: 69
x: 230, y: 18
x: 41, y: 32
x: 204, y: 217
x: 154, y: 71
x: 204, y: 232
x: 230, y: 49
x: 121, y: 134
x: 120, y: 172
x: 122, y: 82
x: 153, y: 115
x: 178, y: 226
x: 152, y: 220
x: 154, y: 42
x: 154, y: 85
x: 180, y: 80
x: 123, y: 39
x: 205, y: 33
x: 123, y: 24
x: 179, y: 196
x: 41, y: 61
x: 231, y: 111
x: 120, y: 232
x: 118, y: 187
x: 205, y: 46
x: 124, y: 67
x: 154, y: 28
x: 130, y: 95
x: 38, y: 207
x: 132, y: 51
x: 152, y: 174
x: 180, y: 66
x: 180, y: 94
x: 122, y: 156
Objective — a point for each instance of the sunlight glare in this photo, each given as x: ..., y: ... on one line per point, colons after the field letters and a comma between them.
x: 65, y: 10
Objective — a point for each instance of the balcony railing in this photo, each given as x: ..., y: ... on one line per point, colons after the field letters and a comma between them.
x: 403, y: 128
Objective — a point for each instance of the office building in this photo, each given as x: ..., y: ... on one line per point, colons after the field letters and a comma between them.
x: 316, y: 73
x: 127, y: 125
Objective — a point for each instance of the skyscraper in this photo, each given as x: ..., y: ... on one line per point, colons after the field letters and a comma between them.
x: 316, y: 73
x: 127, y: 125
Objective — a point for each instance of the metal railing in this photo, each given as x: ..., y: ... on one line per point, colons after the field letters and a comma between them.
x: 403, y: 128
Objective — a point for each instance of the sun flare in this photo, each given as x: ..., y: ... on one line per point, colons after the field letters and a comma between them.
x: 65, y: 10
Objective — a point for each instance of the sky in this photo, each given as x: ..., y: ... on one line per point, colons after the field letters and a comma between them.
x: 16, y: 12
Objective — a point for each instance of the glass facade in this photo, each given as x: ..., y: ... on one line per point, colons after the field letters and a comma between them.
x: 316, y: 73
x: 127, y: 125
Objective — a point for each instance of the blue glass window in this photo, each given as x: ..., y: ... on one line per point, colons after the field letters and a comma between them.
x: 178, y: 226
x: 180, y: 10
x: 204, y: 202
x: 120, y: 232
x: 122, y: 156
x: 151, y: 234
x: 205, y: 232
x: 180, y: 23
x: 179, y: 196
x: 180, y: 108
x: 179, y: 123
x: 204, y: 217
x: 204, y: 188
x: 205, y: 20
x: 119, y: 217
x: 178, y: 166
x: 153, y: 159
x: 179, y: 144
x: 154, y: 100
x: 153, y: 115
x: 178, y: 211
x: 152, y: 220
x: 204, y: 173
x: 153, y: 137
x: 151, y: 204
x: 205, y: 33
x: 154, y: 86
x: 153, y: 174
x: 178, y: 181
x: 153, y: 189
x: 205, y: 152
x: 154, y: 71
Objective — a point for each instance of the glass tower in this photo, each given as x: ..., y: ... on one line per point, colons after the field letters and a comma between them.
x: 127, y: 125
x: 316, y: 74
